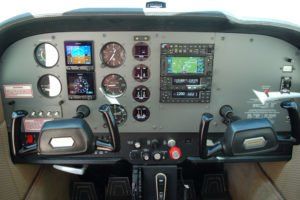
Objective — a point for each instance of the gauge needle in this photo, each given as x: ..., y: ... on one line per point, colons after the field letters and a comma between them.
x: 112, y: 85
x: 112, y: 55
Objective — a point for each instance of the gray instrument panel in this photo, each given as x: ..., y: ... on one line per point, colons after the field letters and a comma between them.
x: 242, y: 62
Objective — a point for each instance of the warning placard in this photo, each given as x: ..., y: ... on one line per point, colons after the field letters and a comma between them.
x: 18, y: 91
x: 34, y: 124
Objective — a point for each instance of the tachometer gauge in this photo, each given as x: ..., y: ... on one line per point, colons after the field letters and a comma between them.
x: 49, y: 86
x: 113, y: 54
x: 46, y: 55
x: 114, y: 85
x: 119, y: 113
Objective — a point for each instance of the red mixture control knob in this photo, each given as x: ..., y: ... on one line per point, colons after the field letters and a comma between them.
x: 175, y: 153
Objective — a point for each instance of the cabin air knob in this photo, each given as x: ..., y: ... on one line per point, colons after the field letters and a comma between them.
x: 175, y: 153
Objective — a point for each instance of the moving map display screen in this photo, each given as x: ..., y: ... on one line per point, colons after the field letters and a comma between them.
x: 185, y: 65
x: 79, y: 53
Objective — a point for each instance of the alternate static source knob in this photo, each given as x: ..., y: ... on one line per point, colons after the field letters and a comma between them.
x: 175, y: 153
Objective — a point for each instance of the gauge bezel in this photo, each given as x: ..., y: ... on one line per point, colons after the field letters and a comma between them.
x: 40, y: 89
x: 144, y: 57
x: 102, y: 59
x: 37, y: 60
x: 141, y: 86
x: 105, y: 91
x: 118, y: 105
x: 139, y: 120
x: 141, y: 80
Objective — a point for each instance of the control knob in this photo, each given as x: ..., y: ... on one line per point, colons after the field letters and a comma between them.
x: 137, y: 145
x: 146, y: 156
x: 157, y: 156
x: 155, y: 143
x: 171, y: 143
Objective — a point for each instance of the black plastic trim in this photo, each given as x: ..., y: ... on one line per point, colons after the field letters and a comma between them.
x: 97, y: 20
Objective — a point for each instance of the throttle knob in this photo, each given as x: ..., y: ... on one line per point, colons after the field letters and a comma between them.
x: 175, y: 153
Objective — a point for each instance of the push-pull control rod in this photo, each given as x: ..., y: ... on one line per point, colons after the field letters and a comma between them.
x: 114, y: 146
x: 203, y: 130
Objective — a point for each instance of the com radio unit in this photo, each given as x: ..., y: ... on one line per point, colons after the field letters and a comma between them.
x: 186, y: 72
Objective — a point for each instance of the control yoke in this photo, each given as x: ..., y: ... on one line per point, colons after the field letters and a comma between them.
x: 292, y: 108
x: 243, y: 137
x: 114, y: 146
x: 203, y: 130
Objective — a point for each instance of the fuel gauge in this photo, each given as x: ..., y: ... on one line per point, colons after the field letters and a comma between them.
x: 141, y: 93
x: 141, y: 73
x: 141, y: 113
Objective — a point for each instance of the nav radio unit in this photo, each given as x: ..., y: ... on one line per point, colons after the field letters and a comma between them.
x: 186, y: 73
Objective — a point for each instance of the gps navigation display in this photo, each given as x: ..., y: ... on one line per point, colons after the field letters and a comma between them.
x: 185, y: 65
x: 78, y: 53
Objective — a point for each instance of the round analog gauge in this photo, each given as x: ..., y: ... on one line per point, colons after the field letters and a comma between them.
x: 141, y: 51
x: 114, y: 85
x: 119, y: 113
x: 49, y: 86
x: 141, y: 93
x: 141, y: 113
x: 46, y: 55
x: 141, y: 73
x: 113, y: 54
x: 81, y: 85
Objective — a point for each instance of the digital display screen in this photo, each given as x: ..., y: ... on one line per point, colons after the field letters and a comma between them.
x: 185, y: 65
x: 185, y: 94
x: 186, y: 81
x: 81, y: 83
x: 79, y: 53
